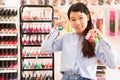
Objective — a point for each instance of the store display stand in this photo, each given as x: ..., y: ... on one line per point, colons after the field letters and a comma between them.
x: 36, y: 22
x: 9, y: 54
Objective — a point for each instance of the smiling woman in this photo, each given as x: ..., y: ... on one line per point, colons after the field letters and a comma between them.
x: 79, y: 55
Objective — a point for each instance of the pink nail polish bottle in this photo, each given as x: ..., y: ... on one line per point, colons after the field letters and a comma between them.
x: 112, y: 23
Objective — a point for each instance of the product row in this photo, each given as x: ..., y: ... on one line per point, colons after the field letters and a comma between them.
x: 37, y: 64
x: 7, y: 28
x: 8, y: 65
x: 33, y: 39
x: 69, y: 2
x: 34, y: 52
x: 8, y: 14
x: 8, y: 40
x: 36, y: 14
x: 43, y: 75
x: 8, y: 53
x: 36, y: 27
x: 8, y: 76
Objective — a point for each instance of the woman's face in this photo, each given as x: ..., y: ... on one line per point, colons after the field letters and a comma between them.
x: 79, y: 21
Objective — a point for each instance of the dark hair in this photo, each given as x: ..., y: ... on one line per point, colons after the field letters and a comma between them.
x: 88, y: 47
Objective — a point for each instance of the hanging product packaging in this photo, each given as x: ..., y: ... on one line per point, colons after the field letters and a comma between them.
x: 112, y: 23
x: 99, y: 24
x: 119, y: 23
x: 100, y: 21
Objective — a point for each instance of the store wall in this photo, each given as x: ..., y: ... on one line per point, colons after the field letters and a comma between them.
x: 114, y: 40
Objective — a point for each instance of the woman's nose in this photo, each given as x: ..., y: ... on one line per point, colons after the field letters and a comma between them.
x: 77, y: 22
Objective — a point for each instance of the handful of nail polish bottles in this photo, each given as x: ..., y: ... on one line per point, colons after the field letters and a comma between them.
x: 92, y: 39
x: 59, y: 28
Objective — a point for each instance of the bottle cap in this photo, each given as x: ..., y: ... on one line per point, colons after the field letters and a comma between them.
x: 59, y: 28
x: 96, y: 40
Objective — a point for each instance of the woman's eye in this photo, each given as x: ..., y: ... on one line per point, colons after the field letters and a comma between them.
x: 72, y: 19
x: 81, y: 18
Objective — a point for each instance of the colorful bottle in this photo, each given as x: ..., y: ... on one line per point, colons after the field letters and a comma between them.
x: 112, y: 23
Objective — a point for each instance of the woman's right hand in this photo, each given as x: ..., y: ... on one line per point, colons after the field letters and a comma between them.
x: 60, y: 22
x: 57, y: 24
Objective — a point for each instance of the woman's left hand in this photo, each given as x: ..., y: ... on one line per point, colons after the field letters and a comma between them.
x: 94, y: 33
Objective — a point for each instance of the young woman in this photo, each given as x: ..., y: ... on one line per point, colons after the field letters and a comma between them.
x: 79, y: 55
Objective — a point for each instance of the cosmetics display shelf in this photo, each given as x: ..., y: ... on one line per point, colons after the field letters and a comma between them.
x: 9, y: 54
x: 36, y: 22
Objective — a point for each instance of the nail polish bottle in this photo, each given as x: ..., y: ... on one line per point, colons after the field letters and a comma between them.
x: 30, y: 40
x: 40, y: 77
x: 29, y: 77
x: 59, y: 28
x: 3, y: 77
x: 23, y: 53
x: 7, y: 40
x: 9, y: 13
x: 27, y: 40
x: 0, y: 40
x: 1, y: 10
x: 27, y: 54
x: 35, y: 39
x: 14, y: 28
x: 39, y: 39
x: 31, y: 28
x: 2, y: 66
x: 22, y: 78
x: 49, y: 27
x: 15, y: 76
x: 32, y: 65
x: 0, y: 53
x: 6, y: 53
x: 44, y: 77
x: 15, y: 64
x: 44, y: 29
x: 35, y: 77
x: 11, y: 65
x: 32, y: 76
x: 6, y: 28
x: 11, y: 53
x: 10, y: 40
x: 2, y: 28
x: 23, y: 40
x: 6, y: 76
x: 39, y: 28
x: 48, y: 77
x: 43, y: 66
x: 6, y: 64
x: 15, y: 53
x: 11, y: 77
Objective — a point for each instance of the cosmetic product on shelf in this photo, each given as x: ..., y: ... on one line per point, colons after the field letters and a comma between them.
x: 99, y: 24
x: 119, y: 23
x: 34, y: 28
x: 8, y: 42
x: 112, y: 23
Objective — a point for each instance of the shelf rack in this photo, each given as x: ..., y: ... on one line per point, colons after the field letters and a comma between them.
x: 36, y: 21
